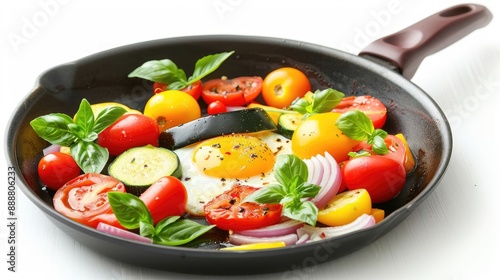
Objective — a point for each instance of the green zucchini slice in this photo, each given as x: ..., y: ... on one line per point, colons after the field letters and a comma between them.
x: 242, y: 121
x: 138, y: 168
x: 288, y: 123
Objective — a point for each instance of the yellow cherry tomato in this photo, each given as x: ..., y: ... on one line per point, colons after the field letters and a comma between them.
x: 319, y: 134
x: 172, y: 108
x: 283, y: 85
x: 256, y: 246
x: 345, y: 207
x: 409, y: 160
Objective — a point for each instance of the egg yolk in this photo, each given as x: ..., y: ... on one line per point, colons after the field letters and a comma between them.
x: 234, y: 156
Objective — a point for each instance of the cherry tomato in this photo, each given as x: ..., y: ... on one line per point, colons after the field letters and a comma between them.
x: 345, y: 207
x: 216, y: 107
x: 193, y: 89
x: 282, y: 86
x: 129, y: 131
x: 165, y: 198
x: 172, y: 108
x: 232, y: 92
x: 371, y: 106
x: 55, y: 169
x: 383, y: 176
x: 227, y: 212
x: 85, y: 198
x: 319, y: 134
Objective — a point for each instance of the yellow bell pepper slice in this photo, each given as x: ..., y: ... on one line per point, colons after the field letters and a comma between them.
x: 255, y: 246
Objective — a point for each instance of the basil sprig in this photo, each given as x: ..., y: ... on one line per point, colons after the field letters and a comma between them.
x: 356, y: 125
x: 166, y: 71
x: 132, y: 213
x: 291, y: 174
x: 79, y: 134
x: 321, y: 101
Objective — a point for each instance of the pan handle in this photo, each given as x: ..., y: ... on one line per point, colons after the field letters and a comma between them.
x: 407, y: 48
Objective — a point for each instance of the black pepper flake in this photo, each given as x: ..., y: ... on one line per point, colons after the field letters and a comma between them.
x: 216, y: 145
x: 242, y: 210
x: 232, y: 201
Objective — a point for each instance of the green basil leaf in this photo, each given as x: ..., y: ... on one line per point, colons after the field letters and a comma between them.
x: 301, y: 105
x: 177, y: 85
x: 269, y: 194
x: 53, y: 128
x: 89, y: 156
x: 326, y: 100
x: 361, y: 153
x: 379, y: 146
x: 180, y: 232
x: 207, y: 65
x: 289, y: 166
x: 355, y: 124
x: 107, y: 117
x: 304, y: 211
x: 84, y: 118
x: 129, y: 210
x: 162, y: 71
x: 146, y: 229
x: 166, y: 222
x: 308, y: 190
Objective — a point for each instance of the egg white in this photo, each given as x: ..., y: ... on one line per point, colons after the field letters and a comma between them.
x: 202, y: 188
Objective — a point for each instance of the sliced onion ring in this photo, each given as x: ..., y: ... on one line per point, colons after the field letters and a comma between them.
x: 238, y: 239
x: 330, y: 178
x: 282, y: 228
x: 109, y: 229
x: 318, y: 233
x: 51, y: 149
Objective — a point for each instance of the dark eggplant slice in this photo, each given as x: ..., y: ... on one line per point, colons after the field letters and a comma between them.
x: 242, y: 121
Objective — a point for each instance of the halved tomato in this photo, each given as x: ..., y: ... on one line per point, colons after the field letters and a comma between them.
x: 228, y: 212
x: 193, y: 89
x: 371, y: 106
x: 85, y: 198
x: 232, y: 92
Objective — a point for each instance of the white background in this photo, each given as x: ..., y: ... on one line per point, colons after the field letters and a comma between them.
x: 453, y: 235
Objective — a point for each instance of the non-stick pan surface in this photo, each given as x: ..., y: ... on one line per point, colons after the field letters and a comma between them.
x: 103, y: 77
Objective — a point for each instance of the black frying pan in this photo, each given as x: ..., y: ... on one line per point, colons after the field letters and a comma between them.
x: 103, y: 77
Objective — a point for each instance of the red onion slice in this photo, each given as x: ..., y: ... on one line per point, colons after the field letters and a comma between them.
x: 318, y: 233
x: 51, y: 149
x: 330, y: 178
x: 280, y: 229
x: 238, y: 239
x: 122, y: 233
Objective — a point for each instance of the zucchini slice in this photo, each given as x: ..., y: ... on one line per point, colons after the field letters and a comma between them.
x: 242, y: 121
x: 139, y: 167
x: 288, y: 123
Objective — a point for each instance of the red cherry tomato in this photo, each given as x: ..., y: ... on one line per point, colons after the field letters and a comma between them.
x: 165, y: 198
x: 129, y: 131
x: 227, y: 212
x: 55, y: 169
x: 383, y: 176
x: 232, y: 92
x: 216, y: 107
x: 85, y: 198
x: 371, y: 106
x: 193, y: 89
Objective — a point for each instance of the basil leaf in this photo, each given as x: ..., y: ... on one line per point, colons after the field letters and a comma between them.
x: 289, y: 166
x: 53, y: 128
x: 355, y: 124
x: 84, y: 118
x: 308, y: 190
x: 146, y: 229
x: 305, y: 211
x: 379, y: 146
x: 301, y: 105
x: 180, y: 232
x: 207, y: 65
x: 90, y: 157
x: 268, y: 194
x: 166, y: 222
x: 107, y: 117
x: 129, y: 210
x: 162, y: 71
x: 321, y: 101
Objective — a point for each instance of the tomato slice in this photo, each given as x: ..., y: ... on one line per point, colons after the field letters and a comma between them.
x: 85, y: 198
x: 193, y: 89
x: 227, y: 212
x: 232, y: 92
x: 164, y: 198
x: 371, y: 106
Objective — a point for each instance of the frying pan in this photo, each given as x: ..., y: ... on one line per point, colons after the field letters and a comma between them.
x: 382, y: 69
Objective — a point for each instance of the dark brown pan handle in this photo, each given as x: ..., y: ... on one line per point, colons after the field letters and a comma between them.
x: 407, y: 48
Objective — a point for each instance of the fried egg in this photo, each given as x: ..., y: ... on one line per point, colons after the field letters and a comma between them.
x: 213, y: 166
